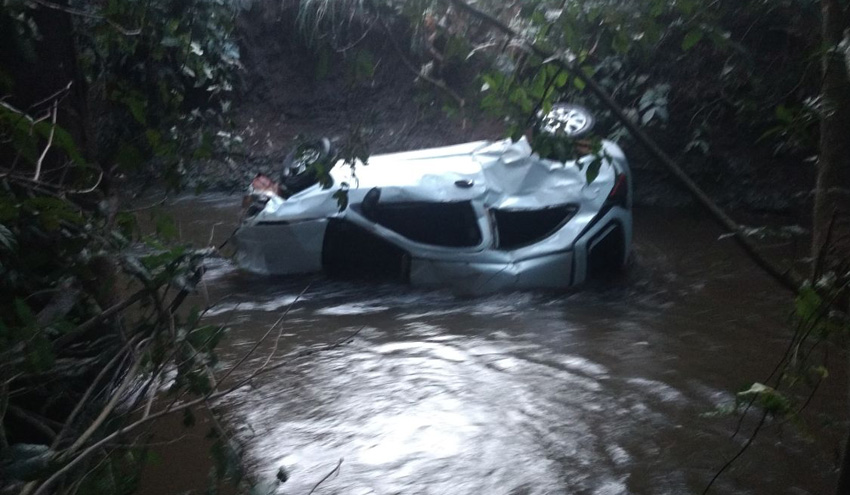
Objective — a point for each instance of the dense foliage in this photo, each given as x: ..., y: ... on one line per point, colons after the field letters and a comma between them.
x: 90, y: 319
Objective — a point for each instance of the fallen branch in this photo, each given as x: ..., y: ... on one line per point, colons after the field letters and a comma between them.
x: 88, y: 393
x: 71, y: 336
x: 785, y: 278
x: 117, y: 395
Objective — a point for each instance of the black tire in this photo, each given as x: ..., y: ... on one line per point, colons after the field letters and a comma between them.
x: 574, y: 121
x: 299, y: 170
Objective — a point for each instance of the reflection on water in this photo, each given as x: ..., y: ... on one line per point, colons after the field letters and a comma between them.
x: 598, y: 391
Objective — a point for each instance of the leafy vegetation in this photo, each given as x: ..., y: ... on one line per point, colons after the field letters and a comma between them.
x: 91, y: 321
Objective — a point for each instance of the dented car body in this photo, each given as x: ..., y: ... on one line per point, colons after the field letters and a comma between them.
x: 478, y: 217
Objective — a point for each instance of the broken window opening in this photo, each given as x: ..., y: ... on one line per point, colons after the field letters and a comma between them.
x: 439, y: 224
x: 518, y: 228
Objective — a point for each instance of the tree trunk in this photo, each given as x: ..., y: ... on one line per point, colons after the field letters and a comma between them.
x: 832, y: 192
x: 831, y: 222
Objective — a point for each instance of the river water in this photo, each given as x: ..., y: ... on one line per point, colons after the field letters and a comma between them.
x: 596, y: 391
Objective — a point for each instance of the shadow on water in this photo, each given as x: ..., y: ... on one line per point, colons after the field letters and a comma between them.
x: 597, y: 391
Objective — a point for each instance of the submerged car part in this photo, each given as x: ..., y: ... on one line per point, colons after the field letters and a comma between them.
x: 476, y: 216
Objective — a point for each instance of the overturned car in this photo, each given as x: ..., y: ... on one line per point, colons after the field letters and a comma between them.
x: 478, y: 216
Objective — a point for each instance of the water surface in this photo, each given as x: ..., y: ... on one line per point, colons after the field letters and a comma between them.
x: 595, y: 391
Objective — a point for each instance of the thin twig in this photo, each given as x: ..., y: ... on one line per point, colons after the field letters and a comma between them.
x: 334, y: 470
x: 89, y: 391
x: 54, y: 96
x: 90, y: 189
x: 263, y: 338
x: 117, y: 395
x: 212, y: 233
x: 105, y: 315
x: 739, y: 454
x: 148, y: 207
x: 33, y: 421
x: 49, y: 142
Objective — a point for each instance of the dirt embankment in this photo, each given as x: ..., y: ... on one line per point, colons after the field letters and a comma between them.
x: 292, y: 88
x: 326, y: 87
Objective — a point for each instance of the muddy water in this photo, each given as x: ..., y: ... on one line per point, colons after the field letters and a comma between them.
x: 598, y: 391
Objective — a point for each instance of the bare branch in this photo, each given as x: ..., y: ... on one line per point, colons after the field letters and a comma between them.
x: 33, y: 421
x: 90, y: 189
x: 71, y: 336
x: 55, y: 96
x: 117, y: 394
x: 49, y: 142
x: 95, y: 383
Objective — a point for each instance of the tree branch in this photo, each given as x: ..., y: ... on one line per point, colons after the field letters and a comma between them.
x: 49, y: 142
x: 71, y: 336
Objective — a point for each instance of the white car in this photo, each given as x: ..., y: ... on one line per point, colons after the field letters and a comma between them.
x: 478, y: 216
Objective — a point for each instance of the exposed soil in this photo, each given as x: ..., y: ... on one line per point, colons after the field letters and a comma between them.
x: 291, y: 89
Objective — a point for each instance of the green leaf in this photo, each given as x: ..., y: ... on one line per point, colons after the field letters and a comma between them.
x: 341, y: 197
x: 579, y: 83
x: 136, y: 105
x: 691, y: 39
x: 808, y: 303
x: 784, y: 114
x: 768, y: 398
x: 24, y: 313
x: 593, y: 170
x: 166, y: 227
x: 7, y: 239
